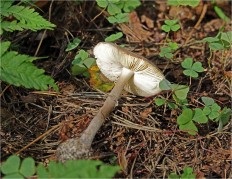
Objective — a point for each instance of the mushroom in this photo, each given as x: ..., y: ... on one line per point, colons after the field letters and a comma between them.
x: 131, y: 72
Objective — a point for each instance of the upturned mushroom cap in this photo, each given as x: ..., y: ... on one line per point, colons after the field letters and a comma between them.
x: 111, y: 59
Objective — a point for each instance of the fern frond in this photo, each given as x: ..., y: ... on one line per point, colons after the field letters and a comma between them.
x: 77, y: 169
x: 4, y: 47
x: 11, y: 26
x: 19, y: 70
x: 26, y: 17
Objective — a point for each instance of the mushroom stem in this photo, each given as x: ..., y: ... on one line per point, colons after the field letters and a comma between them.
x: 90, y: 132
x: 79, y: 147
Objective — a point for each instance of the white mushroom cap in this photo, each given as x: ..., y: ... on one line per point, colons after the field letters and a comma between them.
x: 111, y: 59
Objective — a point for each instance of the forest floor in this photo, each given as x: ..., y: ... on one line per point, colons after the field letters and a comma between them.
x: 141, y: 137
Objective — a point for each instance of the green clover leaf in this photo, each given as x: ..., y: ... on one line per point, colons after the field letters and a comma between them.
x: 14, y: 168
x: 197, y: 66
x: 111, y: 6
x: 175, y: 27
x: 165, y: 84
x: 82, y: 63
x: 170, y: 25
x: 211, y: 39
x: 27, y: 167
x: 114, y: 37
x: 187, y: 63
x: 213, y: 114
x: 118, y: 18
x: 170, y: 22
x: 216, y: 46
x: 173, y: 45
x: 180, y: 91
x: 226, y: 37
x: 185, y: 117
x: 192, y: 3
x: 192, y: 69
x: 207, y: 100
x: 189, y: 127
x: 129, y: 6
x: 159, y: 101
x: 80, y: 57
x: 211, y: 108
x: 172, y: 105
x: 200, y: 116
x: 191, y: 73
x: 102, y: 3
x: 113, y: 9
x: 221, y: 41
x: 166, y: 28
x: 166, y: 52
x: 215, y: 108
x: 188, y: 173
x: 223, y: 118
x: 207, y: 110
x: 11, y: 165
x: 74, y: 44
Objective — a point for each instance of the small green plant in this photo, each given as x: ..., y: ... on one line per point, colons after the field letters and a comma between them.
x: 19, y: 70
x: 24, y: 18
x: 118, y: 9
x: 221, y: 14
x: 168, y: 51
x: 117, y: 6
x: 170, y: 25
x: 161, y: 101
x: 111, y: 6
x: 173, y: 45
x: 223, y: 118
x: 74, y: 44
x: 214, y: 43
x: 77, y: 169
x: 13, y: 167
x: 179, y: 95
x: 119, y: 18
x: 188, y: 117
x: 81, y: 63
x: 222, y: 41
x: 192, y: 69
x: 192, y: 3
x: 185, y: 121
x: 211, y: 108
x: 180, y: 91
x: 187, y: 174
x: 114, y: 37
x: 211, y: 111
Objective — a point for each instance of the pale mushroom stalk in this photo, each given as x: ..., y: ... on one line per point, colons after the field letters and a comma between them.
x: 90, y: 132
x: 80, y: 147
x: 132, y: 73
